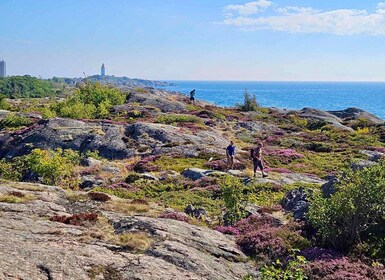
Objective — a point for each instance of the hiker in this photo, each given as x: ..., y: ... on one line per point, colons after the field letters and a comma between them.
x: 192, y: 96
x: 256, y: 155
x: 230, y: 153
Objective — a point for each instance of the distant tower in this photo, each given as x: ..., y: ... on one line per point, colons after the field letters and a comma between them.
x: 103, y: 70
x: 3, y: 69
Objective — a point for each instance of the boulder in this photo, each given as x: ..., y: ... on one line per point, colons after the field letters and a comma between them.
x: 295, y: 201
x: 89, y: 182
x: 329, y: 188
x: 360, y: 165
x: 198, y: 173
x: 372, y: 155
x: 90, y: 161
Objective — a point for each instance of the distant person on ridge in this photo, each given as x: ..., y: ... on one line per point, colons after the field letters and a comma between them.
x: 256, y: 155
x: 230, y: 153
x: 192, y: 96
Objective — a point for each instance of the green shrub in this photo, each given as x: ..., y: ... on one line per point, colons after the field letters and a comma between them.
x: 291, y: 271
x: 249, y: 103
x: 52, y: 166
x: 234, y: 198
x: 14, y: 121
x: 90, y: 100
x: 4, y: 105
x: 341, y: 219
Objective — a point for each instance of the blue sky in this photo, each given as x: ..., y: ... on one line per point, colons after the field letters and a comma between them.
x: 295, y: 40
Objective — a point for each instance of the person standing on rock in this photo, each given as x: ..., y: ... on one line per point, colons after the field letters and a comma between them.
x: 256, y: 155
x: 230, y: 153
x: 192, y: 96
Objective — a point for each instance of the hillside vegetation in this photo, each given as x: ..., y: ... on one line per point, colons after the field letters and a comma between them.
x: 144, y: 171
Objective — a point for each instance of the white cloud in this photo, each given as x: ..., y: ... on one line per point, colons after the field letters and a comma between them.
x: 250, y: 8
x: 309, y: 20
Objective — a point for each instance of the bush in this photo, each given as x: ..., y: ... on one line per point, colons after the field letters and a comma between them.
x: 90, y: 100
x: 293, y: 270
x: 341, y: 219
x: 249, y: 103
x: 234, y: 199
x: 14, y: 121
x: 52, y: 166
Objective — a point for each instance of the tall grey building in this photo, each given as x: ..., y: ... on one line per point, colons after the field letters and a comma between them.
x: 3, y: 69
x: 103, y: 70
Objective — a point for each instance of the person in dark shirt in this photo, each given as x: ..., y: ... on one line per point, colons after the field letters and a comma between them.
x: 192, y: 96
x: 230, y: 153
x: 256, y: 155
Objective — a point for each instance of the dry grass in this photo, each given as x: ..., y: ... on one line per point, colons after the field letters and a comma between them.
x: 125, y: 207
x: 137, y: 242
x: 77, y: 196
x: 16, y: 197
x: 28, y: 187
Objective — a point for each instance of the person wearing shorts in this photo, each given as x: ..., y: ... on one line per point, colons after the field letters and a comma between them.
x: 230, y: 153
x: 256, y: 155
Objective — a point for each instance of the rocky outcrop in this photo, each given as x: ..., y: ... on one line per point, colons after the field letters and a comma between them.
x: 355, y: 114
x: 157, y: 100
x: 112, y: 140
x: 34, y: 247
x: 320, y: 115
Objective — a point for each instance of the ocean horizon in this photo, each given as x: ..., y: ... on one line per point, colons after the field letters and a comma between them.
x: 329, y: 96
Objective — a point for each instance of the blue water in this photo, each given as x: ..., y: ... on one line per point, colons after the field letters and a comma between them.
x: 291, y: 95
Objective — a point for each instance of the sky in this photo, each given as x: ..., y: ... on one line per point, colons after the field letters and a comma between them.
x: 277, y: 40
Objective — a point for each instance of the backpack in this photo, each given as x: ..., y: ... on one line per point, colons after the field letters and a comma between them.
x: 252, y: 152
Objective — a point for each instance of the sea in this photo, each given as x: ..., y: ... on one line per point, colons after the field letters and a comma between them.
x: 330, y: 96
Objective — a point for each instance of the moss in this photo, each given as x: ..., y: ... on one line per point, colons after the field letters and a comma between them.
x: 179, y: 164
x: 16, y: 197
x: 176, y: 118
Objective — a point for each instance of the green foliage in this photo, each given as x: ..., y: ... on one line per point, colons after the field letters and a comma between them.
x: 358, y: 203
x: 52, y: 166
x: 25, y: 86
x: 291, y: 271
x: 176, y: 118
x: 234, y: 199
x: 13, y: 120
x: 249, y: 103
x: 295, y: 119
x: 179, y: 164
x: 4, y: 105
x: 90, y: 100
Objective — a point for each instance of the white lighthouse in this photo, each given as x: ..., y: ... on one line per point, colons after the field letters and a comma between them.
x: 103, y: 71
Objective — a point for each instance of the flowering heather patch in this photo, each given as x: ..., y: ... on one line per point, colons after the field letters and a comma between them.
x: 227, y: 230
x: 376, y: 149
x: 253, y: 223
x: 123, y: 185
x: 263, y: 243
x: 317, y: 253
x: 344, y: 269
x: 285, y: 153
x: 174, y: 216
x: 222, y: 165
x: 79, y: 219
x: 147, y: 164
